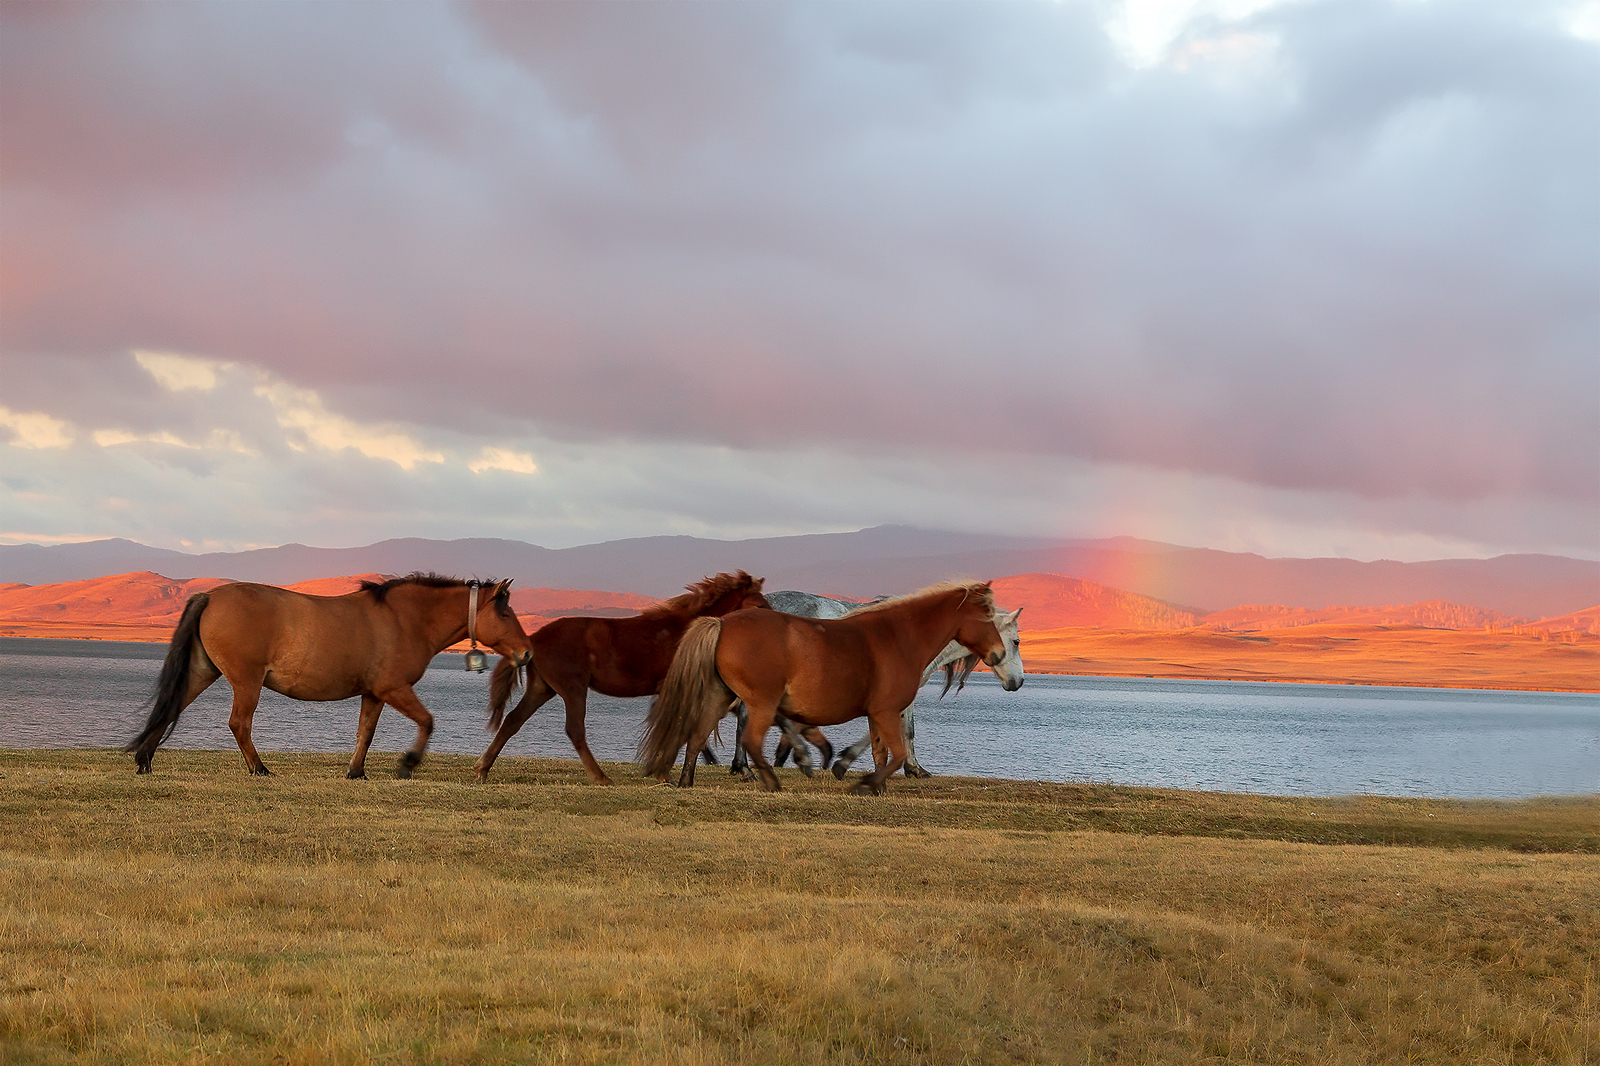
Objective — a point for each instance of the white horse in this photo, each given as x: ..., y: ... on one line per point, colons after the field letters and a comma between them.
x: 954, y: 660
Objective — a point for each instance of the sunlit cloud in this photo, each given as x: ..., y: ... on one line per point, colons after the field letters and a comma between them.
x: 49, y: 538
x: 35, y: 429
x: 1145, y: 31
x: 177, y: 373
x: 302, y: 410
x: 503, y: 459
x: 219, y: 440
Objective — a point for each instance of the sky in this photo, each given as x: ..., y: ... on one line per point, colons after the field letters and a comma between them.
x: 1293, y: 277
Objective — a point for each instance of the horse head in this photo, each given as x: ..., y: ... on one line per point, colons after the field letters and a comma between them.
x: 742, y: 596
x: 980, y: 633
x: 497, y: 624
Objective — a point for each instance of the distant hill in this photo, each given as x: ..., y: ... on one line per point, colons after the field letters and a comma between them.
x: 1051, y: 601
x: 1434, y: 614
x: 871, y: 562
x: 148, y: 599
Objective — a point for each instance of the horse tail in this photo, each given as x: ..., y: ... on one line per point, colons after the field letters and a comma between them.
x: 172, y: 685
x: 507, y: 676
x: 691, y: 693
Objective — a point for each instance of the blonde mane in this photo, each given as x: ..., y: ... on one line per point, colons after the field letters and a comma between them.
x: 980, y: 589
x: 702, y: 594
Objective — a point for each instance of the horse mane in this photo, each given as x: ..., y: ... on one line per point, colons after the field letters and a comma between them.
x: 979, y: 589
x: 702, y: 594
x: 428, y: 579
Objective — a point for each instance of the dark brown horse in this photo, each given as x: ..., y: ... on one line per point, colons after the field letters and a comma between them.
x: 816, y: 672
x: 375, y: 643
x: 614, y: 656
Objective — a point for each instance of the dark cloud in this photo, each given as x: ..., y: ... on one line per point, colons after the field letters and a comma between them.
x: 1360, y: 259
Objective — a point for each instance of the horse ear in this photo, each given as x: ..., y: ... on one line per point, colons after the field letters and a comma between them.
x: 757, y: 582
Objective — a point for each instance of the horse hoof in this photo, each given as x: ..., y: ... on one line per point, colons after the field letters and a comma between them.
x: 805, y: 768
x: 840, y: 769
x: 917, y: 771
x: 261, y: 771
x: 482, y: 777
x: 144, y: 768
x: 355, y: 775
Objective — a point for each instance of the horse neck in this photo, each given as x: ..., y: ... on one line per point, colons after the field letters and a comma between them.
x: 727, y: 603
x: 933, y: 624
x: 440, y: 613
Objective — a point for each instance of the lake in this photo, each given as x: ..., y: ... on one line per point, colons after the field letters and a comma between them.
x: 1275, y: 739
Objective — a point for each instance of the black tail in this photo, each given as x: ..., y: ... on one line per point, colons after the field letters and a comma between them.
x: 172, y: 685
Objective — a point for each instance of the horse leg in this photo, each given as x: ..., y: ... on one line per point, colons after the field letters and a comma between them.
x: 886, y: 733
x: 908, y: 722
x: 577, y: 705
x: 848, y: 756
x: 740, y: 764
x: 402, y: 699
x: 820, y: 742
x: 533, y: 697
x: 753, y: 738
x: 786, y: 746
x: 246, y: 694
x: 371, y: 707
x: 791, y: 737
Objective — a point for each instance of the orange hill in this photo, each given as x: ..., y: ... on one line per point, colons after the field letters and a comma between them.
x: 1074, y: 626
x: 1052, y: 601
x: 1328, y: 654
x: 1434, y: 614
x: 146, y: 606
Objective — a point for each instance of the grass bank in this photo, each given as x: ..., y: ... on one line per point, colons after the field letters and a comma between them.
x: 200, y: 915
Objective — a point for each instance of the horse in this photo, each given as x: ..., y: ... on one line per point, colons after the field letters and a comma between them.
x: 957, y: 664
x: 810, y: 605
x: 614, y: 656
x: 817, y: 672
x: 375, y: 643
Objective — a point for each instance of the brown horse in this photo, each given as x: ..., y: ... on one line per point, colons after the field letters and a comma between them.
x: 375, y: 643
x: 816, y: 672
x: 614, y: 656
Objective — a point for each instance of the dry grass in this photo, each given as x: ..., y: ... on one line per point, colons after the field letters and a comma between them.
x: 200, y: 915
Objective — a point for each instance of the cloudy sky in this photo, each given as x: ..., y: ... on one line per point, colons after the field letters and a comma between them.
x: 1303, y: 278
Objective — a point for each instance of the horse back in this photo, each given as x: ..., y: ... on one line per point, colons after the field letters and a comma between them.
x: 302, y: 643
x: 620, y: 657
x: 820, y: 670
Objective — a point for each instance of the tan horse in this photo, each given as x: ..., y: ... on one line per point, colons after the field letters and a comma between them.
x: 375, y: 643
x: 614, y: 656
x: 816, y: 672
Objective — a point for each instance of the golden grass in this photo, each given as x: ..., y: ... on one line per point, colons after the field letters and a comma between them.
x: 1328, y: 654
x: 200, y: 915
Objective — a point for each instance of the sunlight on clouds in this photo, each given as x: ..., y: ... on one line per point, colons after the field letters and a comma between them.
x: 220, y: 440
x: 503, y: 459
x: 179, y: 372
x: 1583, y: 21
x: 302, y: 410
x: 1145, y: 30
x: 35, y: 429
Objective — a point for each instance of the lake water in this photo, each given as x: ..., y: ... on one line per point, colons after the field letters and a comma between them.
x: 1277, y: 739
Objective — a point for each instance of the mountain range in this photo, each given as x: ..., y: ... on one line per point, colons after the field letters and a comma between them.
x: 883, y: 560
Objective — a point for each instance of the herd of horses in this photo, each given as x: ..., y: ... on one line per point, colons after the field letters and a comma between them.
x: 794, y: 661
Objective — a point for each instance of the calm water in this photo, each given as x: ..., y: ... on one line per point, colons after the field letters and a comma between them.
x: 1220, y: 735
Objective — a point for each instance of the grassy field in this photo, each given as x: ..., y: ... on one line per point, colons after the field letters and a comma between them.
x: 199, y: 915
